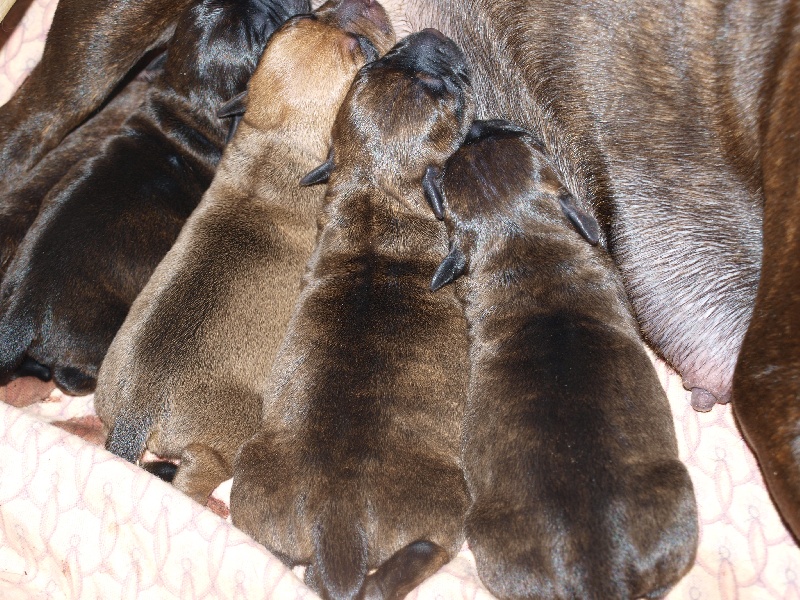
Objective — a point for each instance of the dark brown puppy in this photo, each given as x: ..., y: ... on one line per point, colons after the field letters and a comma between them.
x: 185, y: 375
x: 21, y: 197
x: 358, y: 455
x: 100, y: 235
x: 569, y: 449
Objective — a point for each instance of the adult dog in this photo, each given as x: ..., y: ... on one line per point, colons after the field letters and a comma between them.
x: 186, y: 372
x: 672, y: 122
x: 357, y: 465
x: 558, y: 367
x: 61, y: 303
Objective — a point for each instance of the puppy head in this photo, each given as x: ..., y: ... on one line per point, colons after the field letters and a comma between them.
x: 217, y: 44
x: 404, y: 115
x: 491, y: 186
x: 309, y: 63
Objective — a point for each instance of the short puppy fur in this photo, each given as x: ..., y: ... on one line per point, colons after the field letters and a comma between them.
x: 569, y: 448
x: 186, y: 373
x: 101, y: 234
x: 357, y: 463
x: 90, y: 48
x: 21, y: 197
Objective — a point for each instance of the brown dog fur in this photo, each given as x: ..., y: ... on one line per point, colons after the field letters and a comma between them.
x: 676, y: 125
x: 357, y: 458
x: 21, y: 197
x: 91, y: 46
x: 186, y: 373
x: 62, y: 302
x: 568, y: 448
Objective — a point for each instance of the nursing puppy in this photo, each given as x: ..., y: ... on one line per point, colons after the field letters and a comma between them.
x: 21, y: 197
x: 100, y: 235
x: 356, y: 465
x: 186, y: 373
x: 568, y: 445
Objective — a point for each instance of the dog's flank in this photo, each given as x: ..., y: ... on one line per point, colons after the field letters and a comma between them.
x: 90, y: 48
x: 196, y: 349
x: 568, y: 445
x: 128, y: 203
x: 356, y: 465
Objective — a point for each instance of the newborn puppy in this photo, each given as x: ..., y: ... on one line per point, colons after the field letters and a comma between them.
x: 569, y: 448
x: 185, y: 375
x: 101, y: 234
x: 21, y: 196
x: 358, y: 455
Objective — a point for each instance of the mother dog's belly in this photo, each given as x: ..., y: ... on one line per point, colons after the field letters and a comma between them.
x: 691, y: 274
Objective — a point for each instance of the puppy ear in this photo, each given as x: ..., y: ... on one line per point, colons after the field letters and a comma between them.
x: 585, y: 223
x: 433, y: 190
x: 321, y: 174
x: 234, y: 107
x: 452, y: 267
x: 484, y: 128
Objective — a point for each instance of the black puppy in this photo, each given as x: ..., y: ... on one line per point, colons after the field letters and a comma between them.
x: 98, y: 239
x: 21, y: 197
x: 357, y: 463
x: 568, y: 444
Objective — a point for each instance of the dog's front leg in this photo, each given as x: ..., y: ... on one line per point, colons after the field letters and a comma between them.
x: 91, y: 45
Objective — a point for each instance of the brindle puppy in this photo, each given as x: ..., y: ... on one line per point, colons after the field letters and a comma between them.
x: 358, y: 455
x: 21, y: 197
x: 100, y: 235
x: 568, y: 446
x: 185, y: 375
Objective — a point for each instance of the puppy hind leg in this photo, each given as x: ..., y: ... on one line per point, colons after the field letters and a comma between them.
x: 162, y: 469
x: 31, y: 368
x: 201, y: 470
x: 74, y: 381
x: 403, y: 571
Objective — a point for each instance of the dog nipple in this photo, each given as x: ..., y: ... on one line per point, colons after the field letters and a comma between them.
x: 702, y: 400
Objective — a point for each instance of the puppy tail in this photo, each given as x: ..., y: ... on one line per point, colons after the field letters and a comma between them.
x: 16, y: 336
x: 404, y: 570
x: 340, y: 553
x: 128, y: 436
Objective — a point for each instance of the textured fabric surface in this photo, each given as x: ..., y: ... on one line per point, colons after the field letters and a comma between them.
x: 75, y: 522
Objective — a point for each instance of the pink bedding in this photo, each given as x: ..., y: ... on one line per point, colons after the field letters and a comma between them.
x: 76, y: 522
